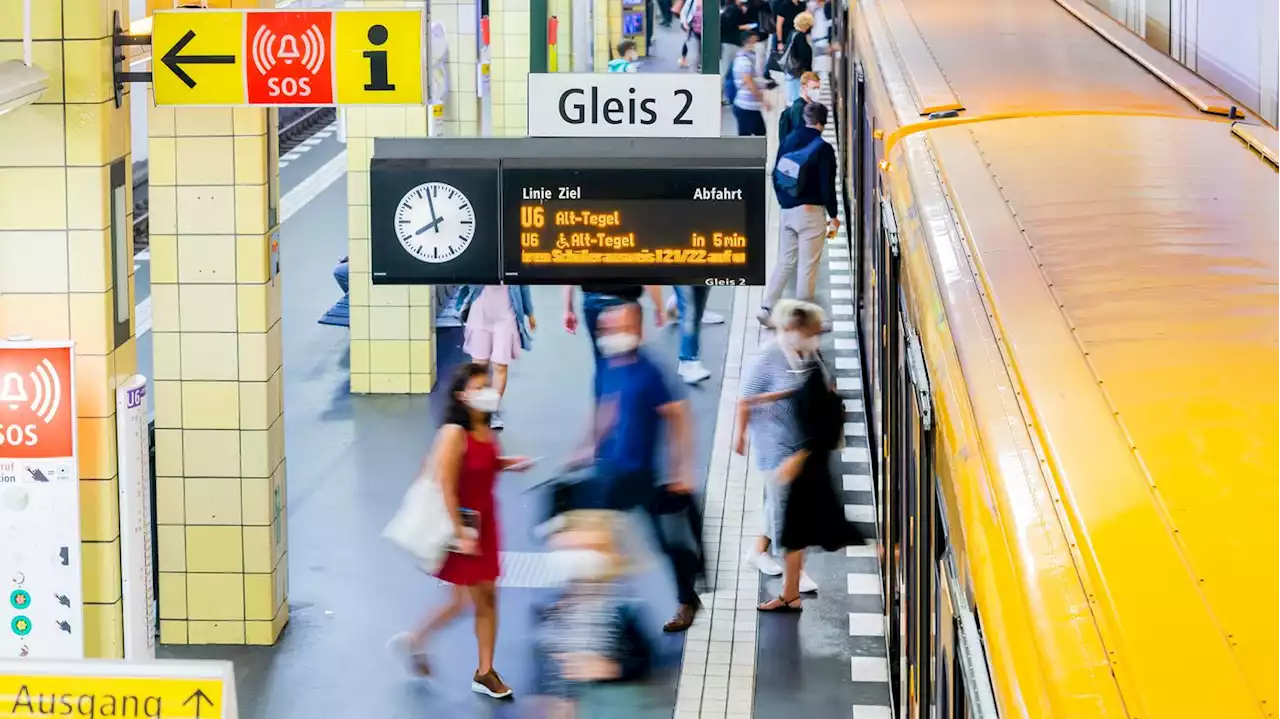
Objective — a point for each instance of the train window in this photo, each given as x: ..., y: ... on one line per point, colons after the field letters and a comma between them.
x: 856, y: 147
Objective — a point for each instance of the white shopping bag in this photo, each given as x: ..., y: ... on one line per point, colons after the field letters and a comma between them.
x: 422, y: 527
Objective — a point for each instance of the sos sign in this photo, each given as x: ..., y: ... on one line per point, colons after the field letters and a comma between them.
x: 290, y: 58
x: 37, y: 401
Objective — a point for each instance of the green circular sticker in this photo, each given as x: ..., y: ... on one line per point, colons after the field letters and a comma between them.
x: 21, y: 625
x: 20, y: 599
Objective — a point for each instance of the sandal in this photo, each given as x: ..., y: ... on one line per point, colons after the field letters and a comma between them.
x: 781, y: 605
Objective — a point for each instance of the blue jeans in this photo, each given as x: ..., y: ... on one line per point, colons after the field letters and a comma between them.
x: 692, y: 301
x: 793, y: 89
x: 594, y: 305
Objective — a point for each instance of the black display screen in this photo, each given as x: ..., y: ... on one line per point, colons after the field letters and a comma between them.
x: 481, y: 220
x: 649, y: 226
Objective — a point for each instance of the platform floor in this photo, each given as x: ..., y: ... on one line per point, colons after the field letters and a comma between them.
x: 351, y: 458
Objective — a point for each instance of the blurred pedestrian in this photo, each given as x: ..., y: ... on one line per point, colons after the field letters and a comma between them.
x: 499, y: 326
x: 765, y: 410
x: 466, y: 461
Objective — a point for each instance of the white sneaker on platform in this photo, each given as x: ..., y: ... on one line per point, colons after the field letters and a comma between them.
x: 712, y: 318
x: 693, y: 372
x: 807, y: 585
x: 765, y: 562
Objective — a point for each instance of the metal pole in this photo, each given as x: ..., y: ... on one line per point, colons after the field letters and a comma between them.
x: 711, y: 37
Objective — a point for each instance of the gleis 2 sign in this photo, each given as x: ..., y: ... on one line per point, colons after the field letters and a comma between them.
x: 624, y: 105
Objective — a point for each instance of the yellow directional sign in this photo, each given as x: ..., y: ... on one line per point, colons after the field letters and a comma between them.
x: 308, y: 57
x: 379, y: 57
x: 92, y: 689
x: 197, y: 58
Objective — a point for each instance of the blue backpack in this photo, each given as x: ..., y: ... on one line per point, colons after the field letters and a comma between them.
x: 789, y: 171
x: 730, y: 87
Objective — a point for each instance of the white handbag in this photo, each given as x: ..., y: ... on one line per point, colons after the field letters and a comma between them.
x: 422, y: 526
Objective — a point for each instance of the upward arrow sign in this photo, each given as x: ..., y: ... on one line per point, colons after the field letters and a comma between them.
x: 174, y: 59
x: 199, y: 697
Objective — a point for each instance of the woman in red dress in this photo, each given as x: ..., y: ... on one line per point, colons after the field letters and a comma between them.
x: 466, y: 463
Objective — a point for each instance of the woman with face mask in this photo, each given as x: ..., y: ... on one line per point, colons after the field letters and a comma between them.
x: 765, y: 410
x: 466, y: 462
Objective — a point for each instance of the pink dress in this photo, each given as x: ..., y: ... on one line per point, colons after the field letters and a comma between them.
x: 491, y: 334
x: 475, y: 492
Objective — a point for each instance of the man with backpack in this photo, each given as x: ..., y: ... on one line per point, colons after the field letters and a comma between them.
x: 626, y: 59
x: 792, y: 118
x: 804, y: 180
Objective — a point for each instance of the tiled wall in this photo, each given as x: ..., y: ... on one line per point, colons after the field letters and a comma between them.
x: 607, y: 16
x: 220, y: 486
x: 509, y: 26
x: 392, y: 326
x: 461, y: 22
x: 57, y: 280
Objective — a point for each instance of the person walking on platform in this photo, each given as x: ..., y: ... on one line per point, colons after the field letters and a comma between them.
x: 797, y: 59
x: 804, y: 180
x: 690, y: 12
x: 765, y: 410
x: 498, y: 327
x: 634, y: 404
x: 690, y: 309
x: 598, y: 298
x: 626, y: 59
x: 746, y: 88
x: 466, y: 462
x: 792, y: 118
x: 734, y: 20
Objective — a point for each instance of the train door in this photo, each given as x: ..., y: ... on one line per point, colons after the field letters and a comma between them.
x: 915, y: 425
x: 887, y: 388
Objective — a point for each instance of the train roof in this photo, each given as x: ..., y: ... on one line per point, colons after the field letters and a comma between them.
x: 984, y: 58
x: 1130, y: 266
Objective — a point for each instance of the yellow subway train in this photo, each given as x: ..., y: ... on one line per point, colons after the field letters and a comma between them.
x: 1066, y: 268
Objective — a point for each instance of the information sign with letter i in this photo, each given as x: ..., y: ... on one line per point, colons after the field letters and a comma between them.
x: 41, y: 615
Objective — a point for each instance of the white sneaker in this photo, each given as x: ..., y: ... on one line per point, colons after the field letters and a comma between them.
x: 807, y: 585
x: 712, y: 318
x: 693, y: 372
x: 765, y: 562
x: 765, y: 318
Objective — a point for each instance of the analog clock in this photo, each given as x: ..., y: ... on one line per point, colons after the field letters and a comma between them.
x: 435, y: 222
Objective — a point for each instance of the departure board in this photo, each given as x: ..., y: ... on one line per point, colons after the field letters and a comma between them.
x: 645, y: 225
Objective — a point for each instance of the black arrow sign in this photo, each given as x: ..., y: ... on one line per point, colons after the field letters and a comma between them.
x: 174, y: 61
x: 198, y: 697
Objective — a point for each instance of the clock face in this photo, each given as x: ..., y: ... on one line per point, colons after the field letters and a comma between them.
x: 435, y: 222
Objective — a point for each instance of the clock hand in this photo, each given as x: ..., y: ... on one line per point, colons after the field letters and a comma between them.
x: 433, y: 225
x: 435, y: 219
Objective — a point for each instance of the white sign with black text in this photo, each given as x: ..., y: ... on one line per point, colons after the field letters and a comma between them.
x: 624, y: 105
x: 133, y: 452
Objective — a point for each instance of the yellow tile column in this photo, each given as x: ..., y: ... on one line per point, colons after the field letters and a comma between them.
x: 66, y: 257
x: 219, y: 412
x: 392, y: 326
x: 462, y: 108
x: 509, y: 25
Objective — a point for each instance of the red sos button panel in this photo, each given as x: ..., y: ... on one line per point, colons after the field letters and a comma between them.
x: 289, y: 58
x: 37, y: 404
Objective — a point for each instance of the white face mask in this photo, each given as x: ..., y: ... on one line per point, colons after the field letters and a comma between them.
x: 579, y: 565
x: 485, y: 399
x: 617, y: 344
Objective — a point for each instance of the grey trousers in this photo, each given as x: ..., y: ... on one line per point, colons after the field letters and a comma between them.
x: 800, y: 242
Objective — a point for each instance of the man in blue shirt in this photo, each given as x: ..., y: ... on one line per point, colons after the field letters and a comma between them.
x: 634, y: 405
x: 804, y: 215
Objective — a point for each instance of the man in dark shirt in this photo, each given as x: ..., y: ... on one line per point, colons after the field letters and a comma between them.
x: 804, y: 216
x: 785, y: 12
x: 598, y: 298
x: 733, y: 20
x: 638, y: 413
